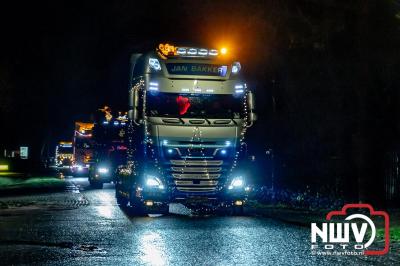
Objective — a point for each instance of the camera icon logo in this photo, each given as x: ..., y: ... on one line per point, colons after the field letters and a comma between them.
x: 347, y: 233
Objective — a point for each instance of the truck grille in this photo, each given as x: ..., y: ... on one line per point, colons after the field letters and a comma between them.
x: 196, y: 175
x: 196, y: 162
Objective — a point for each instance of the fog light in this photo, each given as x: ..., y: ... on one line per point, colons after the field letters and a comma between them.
x: 238, y: 202
x: 149, y: 203
x: 3, y: 167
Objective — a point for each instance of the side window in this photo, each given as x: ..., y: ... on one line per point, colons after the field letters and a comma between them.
x: 139, y: 68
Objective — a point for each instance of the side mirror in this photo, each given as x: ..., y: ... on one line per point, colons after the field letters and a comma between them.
x: 133, y: 113
x: 253, y: 117
x: 251, y: 101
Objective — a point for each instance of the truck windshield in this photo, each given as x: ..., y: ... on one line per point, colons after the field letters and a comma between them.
x: 194, y: 106
x: 65, y: 150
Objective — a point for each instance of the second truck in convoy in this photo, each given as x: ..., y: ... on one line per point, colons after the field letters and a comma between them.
x: 189, y: 112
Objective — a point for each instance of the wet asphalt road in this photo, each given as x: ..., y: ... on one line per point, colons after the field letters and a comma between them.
x: 88, y: 228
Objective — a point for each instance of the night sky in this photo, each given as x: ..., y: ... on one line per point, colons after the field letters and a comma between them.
x: 60, y: 61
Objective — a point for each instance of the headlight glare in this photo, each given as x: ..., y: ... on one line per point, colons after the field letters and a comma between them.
x: 153, y: 181
x: 237, y: 182
x: 103, y: 170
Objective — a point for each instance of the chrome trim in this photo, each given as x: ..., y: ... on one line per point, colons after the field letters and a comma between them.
x: 201, y: 183
x: 196, y: 169
x: 196, y: 176
x: 196, y: 189
x: 196, y: 162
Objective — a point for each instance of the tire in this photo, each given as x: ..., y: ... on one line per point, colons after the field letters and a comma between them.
x: 96, y: 184
x: 122, y: 202
x: 238, y: 210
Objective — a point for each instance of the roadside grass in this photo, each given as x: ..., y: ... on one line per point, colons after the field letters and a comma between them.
x: 12, y: 183
x: 394, y: 233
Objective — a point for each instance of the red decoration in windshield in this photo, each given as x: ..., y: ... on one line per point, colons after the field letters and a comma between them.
x: 183, y: 104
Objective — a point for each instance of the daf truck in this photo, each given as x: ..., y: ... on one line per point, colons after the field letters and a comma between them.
x: 83, y: 145
x: 189, y: 112
x: 109, y: 150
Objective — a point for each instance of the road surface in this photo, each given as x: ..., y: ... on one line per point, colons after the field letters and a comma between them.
x: 86, y: 227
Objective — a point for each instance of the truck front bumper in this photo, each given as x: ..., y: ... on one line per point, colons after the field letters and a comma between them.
x: 157, y: 198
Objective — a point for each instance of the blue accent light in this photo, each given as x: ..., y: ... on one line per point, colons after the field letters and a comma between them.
x: 223, y: 152
x: 236, y: 67
x: 105, y: 122
x: 239, y: 86
x: 170, y: 151
x: 228, y: 143
x: 154, y: 64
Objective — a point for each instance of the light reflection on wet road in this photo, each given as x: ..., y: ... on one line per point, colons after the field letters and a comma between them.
x: 100, y: 233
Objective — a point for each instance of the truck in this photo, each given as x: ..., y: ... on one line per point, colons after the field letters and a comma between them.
x: 64, y: 154
x: 189, y: 110
x: 83, y: 145
x: 109, y: 149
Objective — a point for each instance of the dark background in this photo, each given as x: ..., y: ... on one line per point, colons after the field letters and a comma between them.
x: 325, y: 73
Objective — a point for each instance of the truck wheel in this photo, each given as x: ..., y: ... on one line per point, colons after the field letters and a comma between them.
x: 96, y: 184
x: 238, y: 210
x: 122, y: 201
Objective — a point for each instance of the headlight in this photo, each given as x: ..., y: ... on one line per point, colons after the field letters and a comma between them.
x: 103, y: 170
x: 237, y: 182
x: 153, y: 181
x: 154, y: 64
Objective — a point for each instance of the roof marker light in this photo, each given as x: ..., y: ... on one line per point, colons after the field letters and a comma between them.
x: 213, y: 52
x: 192, y: 51
x: 209, y: 90
x: 185, y: 90
x: 203, y: 52
x: 181, y: 51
